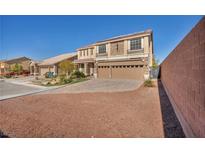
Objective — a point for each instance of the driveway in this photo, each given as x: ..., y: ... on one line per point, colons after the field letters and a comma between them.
x: 99, y: 85
x: 9, y: 89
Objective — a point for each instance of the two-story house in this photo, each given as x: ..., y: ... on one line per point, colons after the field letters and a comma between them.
x: 122, y: 57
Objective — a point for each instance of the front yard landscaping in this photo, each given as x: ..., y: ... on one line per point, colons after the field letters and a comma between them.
x: 74, y: 77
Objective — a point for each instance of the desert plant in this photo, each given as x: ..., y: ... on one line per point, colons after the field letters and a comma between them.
x: 66, y: 67
x: 148, y: 83
x: 17, y: 68
x: 77, y: 74
x: 155, y: 62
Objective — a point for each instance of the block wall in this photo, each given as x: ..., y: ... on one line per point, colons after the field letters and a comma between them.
x: 183, y: 76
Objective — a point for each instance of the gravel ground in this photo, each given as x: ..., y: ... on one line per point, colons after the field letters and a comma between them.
x: 120, y: 114
x: 2, y: 135
x: 172, y: 127
x: 145, y: 112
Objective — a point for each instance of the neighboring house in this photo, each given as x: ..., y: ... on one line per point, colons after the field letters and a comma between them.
x: 34, y: 68
x: 3, y: 67
x: 123, y: 57
x: 51, y: 64
x: 6, y: 65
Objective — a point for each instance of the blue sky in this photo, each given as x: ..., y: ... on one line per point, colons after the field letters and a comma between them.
x: 40, y: 37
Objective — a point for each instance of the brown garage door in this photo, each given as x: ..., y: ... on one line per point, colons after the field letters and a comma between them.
x: 135, y: 72
x: 103, y: 72
x: 128, y: 72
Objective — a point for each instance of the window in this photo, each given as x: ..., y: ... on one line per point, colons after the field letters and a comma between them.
x: 102, y: 48
x: 80, y: 53
x: 91, y: 51
x: 135, y: 44
x: 87, y: 52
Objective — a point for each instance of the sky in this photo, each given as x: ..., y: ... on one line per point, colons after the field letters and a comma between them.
x: 40, y: 37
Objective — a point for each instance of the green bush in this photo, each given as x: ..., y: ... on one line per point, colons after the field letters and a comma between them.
x: 64, y: 80
x: 77, y: 74
x: 148, y: 83
x: 7, y: 76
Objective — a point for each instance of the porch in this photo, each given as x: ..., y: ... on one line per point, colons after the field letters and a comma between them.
x: 87, y: 66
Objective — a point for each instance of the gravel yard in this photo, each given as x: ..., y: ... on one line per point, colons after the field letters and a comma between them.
x: 134, y: 113
x: 119, y: 114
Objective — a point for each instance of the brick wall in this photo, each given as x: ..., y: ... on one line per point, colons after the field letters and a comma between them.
x: 183, y: 76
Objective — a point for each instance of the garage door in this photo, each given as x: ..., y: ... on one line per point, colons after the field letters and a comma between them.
x: 128, y: 72
x: 103, y: 72
x: 44, y: 70
x: 135, y: 72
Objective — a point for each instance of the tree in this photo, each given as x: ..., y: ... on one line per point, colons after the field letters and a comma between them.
x: 17, y: 68
x: 155, y: 62
x: 66, y: 67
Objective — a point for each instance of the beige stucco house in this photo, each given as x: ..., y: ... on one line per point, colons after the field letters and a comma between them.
x: 122, y: 57
x: 3, y: 67
x: 6, y: 65
x: 51, y: 64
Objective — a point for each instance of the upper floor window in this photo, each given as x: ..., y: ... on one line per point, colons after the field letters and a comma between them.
x: 102, y: 48
x: 87, y: 52
x: 91, y: 51
x: 80, y: 53
x: 135, y: 44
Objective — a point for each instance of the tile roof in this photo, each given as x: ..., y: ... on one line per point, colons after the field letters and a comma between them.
x: 126, y: 35
x: 148, y: 31
x: 57, y: 59
x: 16, y: 60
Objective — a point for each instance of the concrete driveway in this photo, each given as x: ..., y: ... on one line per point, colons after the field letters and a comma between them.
x: 99, y: 85
x: 9, y: 89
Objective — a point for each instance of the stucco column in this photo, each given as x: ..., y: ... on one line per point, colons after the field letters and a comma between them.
x: 85, y: 68
x: 80, y: 67
x: 30, y: 70
x: 95, y: 69
x: 55, y: 70
x: 35, y: 70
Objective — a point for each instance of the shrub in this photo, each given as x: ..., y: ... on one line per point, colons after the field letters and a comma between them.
x: 64, y: 79
x: 148, y: 83
x: 77, y: 74
x: 67, y: 81
x: 7, y: 76
x: 17, y: 68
